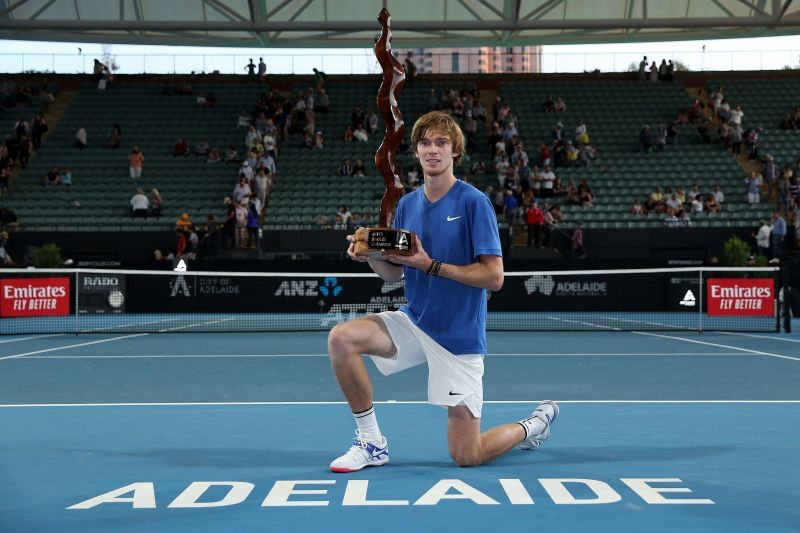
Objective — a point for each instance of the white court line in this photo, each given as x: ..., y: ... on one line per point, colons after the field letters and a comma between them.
x: 31, y: 338
x: 284, y: 355
x: 385, y: 402
x: 746, y: 350
x: 15, y: 356
x: 775, y: 338
x: 176, y: 328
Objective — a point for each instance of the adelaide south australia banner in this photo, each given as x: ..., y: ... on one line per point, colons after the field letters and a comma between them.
x: 741, y: 297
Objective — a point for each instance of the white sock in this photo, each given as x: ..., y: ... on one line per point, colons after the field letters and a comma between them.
x: 367, y: 423
x: 532, y: 426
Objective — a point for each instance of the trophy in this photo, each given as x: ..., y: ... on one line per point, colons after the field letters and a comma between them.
x: 385, y: 240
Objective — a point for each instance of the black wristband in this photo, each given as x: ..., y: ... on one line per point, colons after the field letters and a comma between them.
x: 436, y: 268
x: 430, y: 268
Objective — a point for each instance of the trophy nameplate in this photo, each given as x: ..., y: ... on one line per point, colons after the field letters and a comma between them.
x: 376, y: 243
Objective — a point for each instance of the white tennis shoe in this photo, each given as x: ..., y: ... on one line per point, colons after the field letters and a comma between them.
x: 365, y: 451
x: 547, y: 412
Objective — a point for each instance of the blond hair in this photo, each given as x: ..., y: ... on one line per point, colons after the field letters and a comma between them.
x: 439, y: 121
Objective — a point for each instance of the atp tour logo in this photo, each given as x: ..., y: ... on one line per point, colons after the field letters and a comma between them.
x: 330, y: 287
x: 688, y: 299
x: 388, y: 287
x: 178, y: 285
x: 542, y: 284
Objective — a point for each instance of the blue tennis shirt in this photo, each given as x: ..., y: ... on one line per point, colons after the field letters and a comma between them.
x: 456, y: 229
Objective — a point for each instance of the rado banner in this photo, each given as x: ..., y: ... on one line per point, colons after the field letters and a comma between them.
x: 101, y: 293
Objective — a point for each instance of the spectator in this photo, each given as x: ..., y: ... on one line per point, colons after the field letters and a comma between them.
x: 180, y: 148
x: 5, y: 257
x: 319, y: 141
x: 252, y: 225
x: 53, y: 177
x: 323, y: 102
x: 231, y: 155
x: 139, y: 204
x: 262, y: 70
x: 38, y: 129
x: 81, y: 140
x: 777, y: 236
x: 359, y: 169
x: 251, y: 71
x: 320, y: 79
x: 753, y: 182
x: 242, y: 190
x: 213, y: 156
x: 711, y: 205
x: 637, y: 208
x: 66, y: 177
x: 135, y: 162
x: 696, y: 205
x: 210, y: 241
x: 646, y: 139
x: 115, y: 136
x: 510, y: 206
x: 184, y: 222
x: 763, y: 238
x: 578, y: 247
x: 411, y: 69
x: 346, y: 169
x: 244, y: 120
x: 348, y: 133
x: 372, y: 122
x: 156, y: 202
x: 262, y: 186
x: 201, y: 148
x: 719, y: 195
x: 534, y: 219
x: 360, y: 133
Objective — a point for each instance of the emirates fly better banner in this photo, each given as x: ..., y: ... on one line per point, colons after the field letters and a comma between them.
x: 741, y: 297
x: 34, y: 297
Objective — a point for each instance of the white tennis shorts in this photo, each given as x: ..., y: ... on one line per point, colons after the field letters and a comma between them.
x: 452, y: 379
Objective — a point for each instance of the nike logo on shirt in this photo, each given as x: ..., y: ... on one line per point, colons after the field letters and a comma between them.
x: 450, y: 219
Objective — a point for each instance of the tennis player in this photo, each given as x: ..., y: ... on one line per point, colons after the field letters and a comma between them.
x: 458, y: 258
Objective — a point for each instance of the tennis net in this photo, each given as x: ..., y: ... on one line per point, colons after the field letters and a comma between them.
x: 115, y: 301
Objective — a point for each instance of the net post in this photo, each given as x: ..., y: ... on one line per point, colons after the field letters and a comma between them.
x: 700, y: 307
x: 786, y: 287
x: 77, y: 299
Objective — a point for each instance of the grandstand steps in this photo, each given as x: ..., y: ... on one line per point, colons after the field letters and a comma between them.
x: 52, y: 114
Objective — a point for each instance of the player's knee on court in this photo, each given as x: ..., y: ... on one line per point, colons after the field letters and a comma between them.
x: 464, y: 456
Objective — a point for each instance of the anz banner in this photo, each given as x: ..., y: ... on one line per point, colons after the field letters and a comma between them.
x: 244, y: 294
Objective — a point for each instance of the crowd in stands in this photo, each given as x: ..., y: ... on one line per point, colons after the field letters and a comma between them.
x: 663, y: 72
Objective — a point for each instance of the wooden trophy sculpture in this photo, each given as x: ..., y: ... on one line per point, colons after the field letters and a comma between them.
x: 384, y: 240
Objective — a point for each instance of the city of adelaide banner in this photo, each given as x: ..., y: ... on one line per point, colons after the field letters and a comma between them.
x: 34, y: 297
x: 741, y: 297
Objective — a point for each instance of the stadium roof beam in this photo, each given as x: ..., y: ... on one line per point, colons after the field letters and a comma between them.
x: 422, y: 25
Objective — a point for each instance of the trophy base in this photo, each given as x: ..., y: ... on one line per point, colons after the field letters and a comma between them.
x: 380, y: 242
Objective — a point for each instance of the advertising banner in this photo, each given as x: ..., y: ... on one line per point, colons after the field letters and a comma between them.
x: 34, y: 297
x: 741, y: 297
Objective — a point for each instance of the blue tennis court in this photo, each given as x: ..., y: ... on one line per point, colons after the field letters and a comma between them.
x: 234, y: 432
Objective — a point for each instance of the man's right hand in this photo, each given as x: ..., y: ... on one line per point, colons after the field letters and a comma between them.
x: 358, y: 243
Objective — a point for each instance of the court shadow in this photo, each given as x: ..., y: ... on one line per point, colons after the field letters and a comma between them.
x: 615, y: 454
x: 218, y: 457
